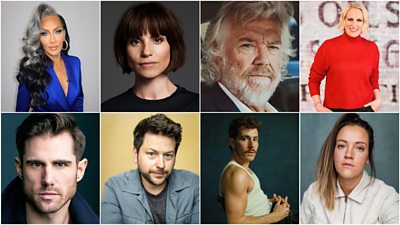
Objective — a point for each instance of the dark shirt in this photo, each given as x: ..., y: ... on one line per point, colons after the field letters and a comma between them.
x: 157, y: 205
x: 13, y: 206
x: 181, y: 100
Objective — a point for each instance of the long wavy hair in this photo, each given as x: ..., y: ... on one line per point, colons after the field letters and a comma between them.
x: 326, y: 171
x: 33, y: 66
x: 244, y: 12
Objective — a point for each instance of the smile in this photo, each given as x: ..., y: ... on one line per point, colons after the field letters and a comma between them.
x: 53, y: 48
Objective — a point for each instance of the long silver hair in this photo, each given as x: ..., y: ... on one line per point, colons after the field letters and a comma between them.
x: 244, y: 12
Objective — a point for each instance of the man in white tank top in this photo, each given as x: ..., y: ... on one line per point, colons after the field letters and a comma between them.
x: 243, y: 198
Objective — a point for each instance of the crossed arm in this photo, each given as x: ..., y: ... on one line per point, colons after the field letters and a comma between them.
x: 235, y: 189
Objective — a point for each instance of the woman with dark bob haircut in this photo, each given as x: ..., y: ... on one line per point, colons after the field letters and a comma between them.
x: 49, y: 79
x: 149, y: 42
x: 343, y: 191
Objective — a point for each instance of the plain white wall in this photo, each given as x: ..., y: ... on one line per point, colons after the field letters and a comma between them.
x: 82, y: 20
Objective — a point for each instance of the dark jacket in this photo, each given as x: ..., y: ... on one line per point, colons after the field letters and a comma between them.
x: 13, y: 206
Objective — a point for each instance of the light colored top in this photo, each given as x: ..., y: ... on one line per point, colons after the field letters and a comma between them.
x: 369, y: 203
x: 258, y: 203
x: 241, y: 106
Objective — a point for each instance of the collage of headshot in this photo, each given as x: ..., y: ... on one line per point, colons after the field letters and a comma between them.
x: 199, y: 112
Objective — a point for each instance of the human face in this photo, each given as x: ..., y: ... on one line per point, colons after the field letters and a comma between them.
x: 155, y: 159
x: 351, y: 153
x: 353, y: 22
x: 251, y: 65
x: 52, y: 36
x: 245, y: 145
x: 50, y: 172
x: 149, y: 56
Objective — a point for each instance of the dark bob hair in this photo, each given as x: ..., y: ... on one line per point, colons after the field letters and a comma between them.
x: 155, y: 19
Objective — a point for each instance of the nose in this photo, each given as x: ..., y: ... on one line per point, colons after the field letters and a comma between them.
x: 251, y: 143
x: 349, y: 152
x: 262, y: 56
x: 146, y: 50
x: 52, y: 38
x: 47, y: 177
x: 160, y: 162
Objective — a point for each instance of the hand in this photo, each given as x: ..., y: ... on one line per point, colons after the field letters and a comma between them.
x: 275, y: 198
x: 320, y: 108
x: 282, y: 207
x: 374, y: 104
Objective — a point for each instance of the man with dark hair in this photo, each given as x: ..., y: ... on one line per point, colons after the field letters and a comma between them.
x: 49, y: 165
x: 240, y: 189
x: 155, y: 192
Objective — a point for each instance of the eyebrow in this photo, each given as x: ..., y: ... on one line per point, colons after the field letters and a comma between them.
x: 32, y: 161
x: 357, y: 142
x: 53, y: 29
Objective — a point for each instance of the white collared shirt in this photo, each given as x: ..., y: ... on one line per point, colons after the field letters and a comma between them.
x: 368, y: 203
x: 241, y: 106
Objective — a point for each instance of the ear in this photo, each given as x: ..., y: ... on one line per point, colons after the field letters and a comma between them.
x: 81, y: 169
x: 135, y: 155
x: 18, y: 167
x: 231, y: 142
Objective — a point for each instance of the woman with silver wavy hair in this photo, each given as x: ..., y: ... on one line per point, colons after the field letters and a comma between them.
x: 49, y: 79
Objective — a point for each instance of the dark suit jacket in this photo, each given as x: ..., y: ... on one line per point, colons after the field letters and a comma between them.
x: 284, y: 99
x: 57, y: 101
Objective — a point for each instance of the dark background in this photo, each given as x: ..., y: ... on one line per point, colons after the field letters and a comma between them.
x: 114, y: 82
x: 276, y: 163
x: 88, y: 187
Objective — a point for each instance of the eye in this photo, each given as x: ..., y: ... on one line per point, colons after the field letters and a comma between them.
x: 37, y: 165
x: 359, y: 20
x: 360, y: 148
x: 340, y: 146
x: 43, y: 33
x: 247, y: 45
x: 350, y: 19
x: 61, y: 164
x: 274, y: 47
x: 158, y: 40
x: 151, y: 154
x: 134, y: 42
x: 169, y: 156
x: 59, y: 31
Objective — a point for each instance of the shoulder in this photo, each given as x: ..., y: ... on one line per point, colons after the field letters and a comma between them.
x: 184, y: 177
x: 311, y: 192
x: 120, y: 180
x: 118, y: 102
x: 236, y: 175
x: 372, y: 45
x: 72, y: 59
x: 380, y: 187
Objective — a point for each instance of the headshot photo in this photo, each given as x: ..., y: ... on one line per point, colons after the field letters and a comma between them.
x: 350, y: 172
x: 150, y: 57
x: 249, y: 168
x: 350, y: 56
x: 50, y: 56
x: 50, y: 168
x: 150, y: 168
x: 249, y: 56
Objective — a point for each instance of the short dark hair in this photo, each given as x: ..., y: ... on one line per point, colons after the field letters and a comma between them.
x: 244, y: 122
x: 157, y: 124
x: 38, y: 124
x: 157, y: 20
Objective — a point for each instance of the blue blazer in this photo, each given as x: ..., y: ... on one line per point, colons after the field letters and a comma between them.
x: 57, y: 101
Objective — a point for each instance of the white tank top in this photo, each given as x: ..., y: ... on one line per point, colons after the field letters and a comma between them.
x: 258, y: 203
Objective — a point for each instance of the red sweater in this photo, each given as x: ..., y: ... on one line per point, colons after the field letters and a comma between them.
x: 351, y: 67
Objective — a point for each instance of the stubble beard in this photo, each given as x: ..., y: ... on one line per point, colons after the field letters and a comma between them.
x: 149, y: 179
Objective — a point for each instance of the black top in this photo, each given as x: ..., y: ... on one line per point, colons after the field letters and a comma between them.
x: 158, y: 206
x: 13, y: 206
x: 181, y: 100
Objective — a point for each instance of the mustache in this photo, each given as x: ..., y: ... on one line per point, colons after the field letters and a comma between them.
x: 252, y: 150
x: 261, y: 70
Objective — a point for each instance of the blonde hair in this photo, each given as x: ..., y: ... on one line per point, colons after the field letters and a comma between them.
x: 354, y: 5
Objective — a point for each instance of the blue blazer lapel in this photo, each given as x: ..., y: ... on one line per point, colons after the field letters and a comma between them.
x: 73, y: 71
x: 55, y: 91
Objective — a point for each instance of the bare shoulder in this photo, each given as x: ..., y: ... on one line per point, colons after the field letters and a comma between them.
x: 235, y: 178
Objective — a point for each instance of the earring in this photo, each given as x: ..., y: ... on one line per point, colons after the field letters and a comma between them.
x: 66, y: 43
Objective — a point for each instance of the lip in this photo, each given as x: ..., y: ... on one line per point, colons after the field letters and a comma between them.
x: 48, y: 195
x: 147, y: 64
x: 53, y: 48
x: 347, y: 165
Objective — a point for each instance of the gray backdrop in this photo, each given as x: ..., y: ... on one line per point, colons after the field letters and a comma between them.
x: 315, y: 127
x: 276, y: 164
x: 82, y: 20
x: 88, y: 187
x: 114, y: 82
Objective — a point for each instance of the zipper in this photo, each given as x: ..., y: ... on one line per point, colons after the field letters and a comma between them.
x: 345, y: 208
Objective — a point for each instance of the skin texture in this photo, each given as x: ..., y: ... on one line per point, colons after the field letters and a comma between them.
x: 155, y: 160
x: 236, y: 183
x: 351, y: 156
x: 251, y: 63
x: 52, y: 36
x: 149, y: 57
x: 50, y: 173
x: 353, y: 22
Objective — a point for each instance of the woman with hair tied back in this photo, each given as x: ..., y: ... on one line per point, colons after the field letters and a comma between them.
x: 343, y: 191
x: 49, y: 79
x: 350, y: 64
x: 149, y: 41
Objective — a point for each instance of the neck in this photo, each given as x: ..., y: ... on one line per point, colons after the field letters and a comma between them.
x: 156, y: 88
x: 151, y: 188
x: 57, y: 60
x: 243, y: 163
x: 61, y: 216
x: 348, y: 185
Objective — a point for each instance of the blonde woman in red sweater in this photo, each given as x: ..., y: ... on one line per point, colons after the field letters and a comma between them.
x: 351, y: 66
